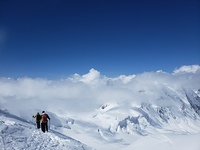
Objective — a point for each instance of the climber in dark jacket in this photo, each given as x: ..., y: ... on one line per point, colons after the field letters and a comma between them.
x: 44, y: 121
x: 38, y: 119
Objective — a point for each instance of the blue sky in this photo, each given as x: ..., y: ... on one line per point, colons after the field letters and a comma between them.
x: 57, y: 38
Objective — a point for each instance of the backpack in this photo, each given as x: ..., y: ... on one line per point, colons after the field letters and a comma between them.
x: 44, y: 118
x: 38, y: 117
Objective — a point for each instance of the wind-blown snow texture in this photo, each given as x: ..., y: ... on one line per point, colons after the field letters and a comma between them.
x: 153, y: 110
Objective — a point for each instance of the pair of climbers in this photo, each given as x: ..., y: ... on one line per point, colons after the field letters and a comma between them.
x: 42, y: 121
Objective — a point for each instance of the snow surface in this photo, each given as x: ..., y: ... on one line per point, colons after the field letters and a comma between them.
x: 17, y: 133
x: 153, y: 110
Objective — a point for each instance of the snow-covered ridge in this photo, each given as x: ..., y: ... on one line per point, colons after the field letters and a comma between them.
x: 17, y: 133
x: 152, y: 117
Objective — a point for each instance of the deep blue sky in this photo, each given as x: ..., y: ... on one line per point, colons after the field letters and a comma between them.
x: 57, y: 38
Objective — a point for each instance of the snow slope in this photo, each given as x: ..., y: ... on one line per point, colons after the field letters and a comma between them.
x: 166, y: 142
x: 153, y: 110
x: 17, y: 133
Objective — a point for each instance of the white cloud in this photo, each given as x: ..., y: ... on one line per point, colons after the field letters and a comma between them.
x: 91, y: 76
x: 83, y: 93
x: 187, y: 69
x: 123, y: 78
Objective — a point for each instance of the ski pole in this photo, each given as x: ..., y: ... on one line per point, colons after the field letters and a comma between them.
x: 49, y: 124
x: 34, y: 122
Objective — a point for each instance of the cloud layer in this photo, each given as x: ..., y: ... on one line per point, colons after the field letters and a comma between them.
x: 85, y: 93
